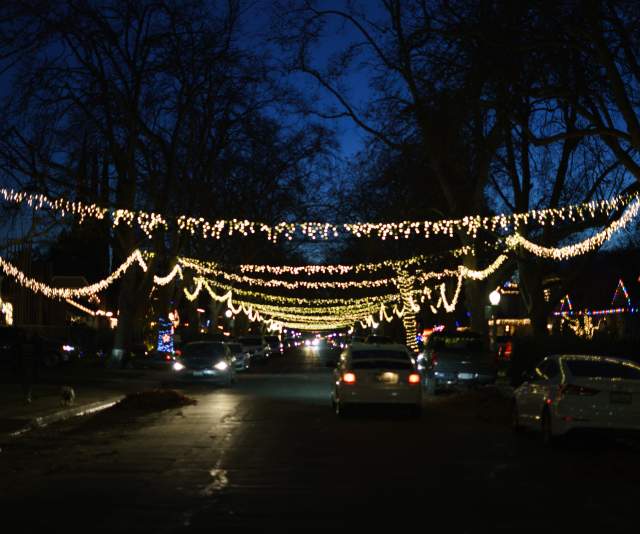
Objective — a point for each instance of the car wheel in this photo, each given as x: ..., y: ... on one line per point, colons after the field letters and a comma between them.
x: 548, y: 439
x: 341, y: 409
x: 430, y: 386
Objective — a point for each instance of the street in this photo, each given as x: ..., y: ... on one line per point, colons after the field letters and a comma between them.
x: 269, y: 453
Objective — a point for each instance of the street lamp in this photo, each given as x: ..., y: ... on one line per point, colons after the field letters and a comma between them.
x: 494, y: 299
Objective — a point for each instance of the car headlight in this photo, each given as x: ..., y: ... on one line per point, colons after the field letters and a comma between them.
x: 221, y: 366
x: 177, y: 366
x: 68, y: 348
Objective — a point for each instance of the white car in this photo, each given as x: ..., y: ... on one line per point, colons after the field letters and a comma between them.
x: 376, y: 374
x: 567, y: 392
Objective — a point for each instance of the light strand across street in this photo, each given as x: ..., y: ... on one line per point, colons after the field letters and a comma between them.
x: 469, y: 225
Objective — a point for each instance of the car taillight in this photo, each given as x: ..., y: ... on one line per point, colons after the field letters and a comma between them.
x: 414, y: 378
x: 178, y: 352
x: 349, y: 378
x: 572, y: 389
x: 507, y: 350
x: 434, y: 358
x: 168, y: 358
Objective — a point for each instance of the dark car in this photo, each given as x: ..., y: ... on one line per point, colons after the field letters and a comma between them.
x: 457, y: 358
x: 275, y: 347
x: 379, y: 340
x: 53, y: 352
x: 206, y: 360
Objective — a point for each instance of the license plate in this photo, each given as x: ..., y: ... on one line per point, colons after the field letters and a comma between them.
x: 620, y: 397
x: 466, y: 376
x: 388, y: 378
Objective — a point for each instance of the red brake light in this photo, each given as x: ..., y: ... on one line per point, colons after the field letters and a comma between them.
x: 583, y: 391
x: 507, y: 350
x: 167, y: 357
x: 349, y: 378
x: 414, y: 378
x: 434, y: 358
x: 178, y: 352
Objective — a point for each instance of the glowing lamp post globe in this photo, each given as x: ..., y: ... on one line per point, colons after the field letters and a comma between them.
x: 494, y: 299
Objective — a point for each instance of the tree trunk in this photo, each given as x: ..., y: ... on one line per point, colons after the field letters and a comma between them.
x: 532, y: 294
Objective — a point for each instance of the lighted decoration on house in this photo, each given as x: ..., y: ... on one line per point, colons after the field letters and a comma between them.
x: 620, y: 288
x: 165, y: 335
x: 566, y: 301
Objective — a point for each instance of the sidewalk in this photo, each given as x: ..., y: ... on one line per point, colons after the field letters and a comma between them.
x: 95, y: 389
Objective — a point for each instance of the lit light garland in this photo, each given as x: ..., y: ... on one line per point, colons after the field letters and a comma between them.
x: 148, y: 222
x: 621, y: 287
x: 70, y: 293
x: 469, y: 225
x: 587, y: 245
x: 311, y: 270
x: 273, y: 283
x: 405, y: 287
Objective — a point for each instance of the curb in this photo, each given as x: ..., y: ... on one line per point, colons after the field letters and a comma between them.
x: 62, y: 415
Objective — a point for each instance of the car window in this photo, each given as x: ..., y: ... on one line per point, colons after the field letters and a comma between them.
x: 204, y: 350
x: 455, y: 343
x: 379, y: 355
x: 379, y: 339
x: 382, y: 364
x: 603, y: 369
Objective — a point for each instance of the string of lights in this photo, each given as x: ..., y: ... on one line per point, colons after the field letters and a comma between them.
x: 470, y: 225
x: 68, y: 292
x: 587, y: 245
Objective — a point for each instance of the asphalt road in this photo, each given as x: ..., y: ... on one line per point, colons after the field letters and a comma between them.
x: 269, y: 454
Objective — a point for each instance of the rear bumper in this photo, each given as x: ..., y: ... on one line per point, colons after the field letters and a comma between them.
x: 368, y: 395
x: 565, y: 421
x: 444, y: 379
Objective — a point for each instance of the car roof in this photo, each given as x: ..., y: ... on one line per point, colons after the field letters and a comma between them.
x: 354, y: 347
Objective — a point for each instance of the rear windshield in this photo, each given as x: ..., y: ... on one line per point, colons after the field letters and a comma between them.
x: 455, y: 343
x: 380, y: 355
x: 604, y: 369
x: 379, y: 339
x: 251, y: 341
x: 382, y: 364
x: 203, y: 350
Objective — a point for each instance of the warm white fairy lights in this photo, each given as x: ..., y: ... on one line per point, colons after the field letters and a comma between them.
x: 587, y: 245
x: 469, y: 225
x: 69, y: 293
x: 148, y: 222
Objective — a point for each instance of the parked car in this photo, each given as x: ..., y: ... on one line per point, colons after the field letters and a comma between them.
x: 290, y: 343
x: 570, y: 392
x: 453, y: 359
x: 53, y: 352
x: 209, y: 360
x: 240, y: 357
x: 140, y: 357
x: 256, y: 346
x: 376, y: 374
x: 275, y: 347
